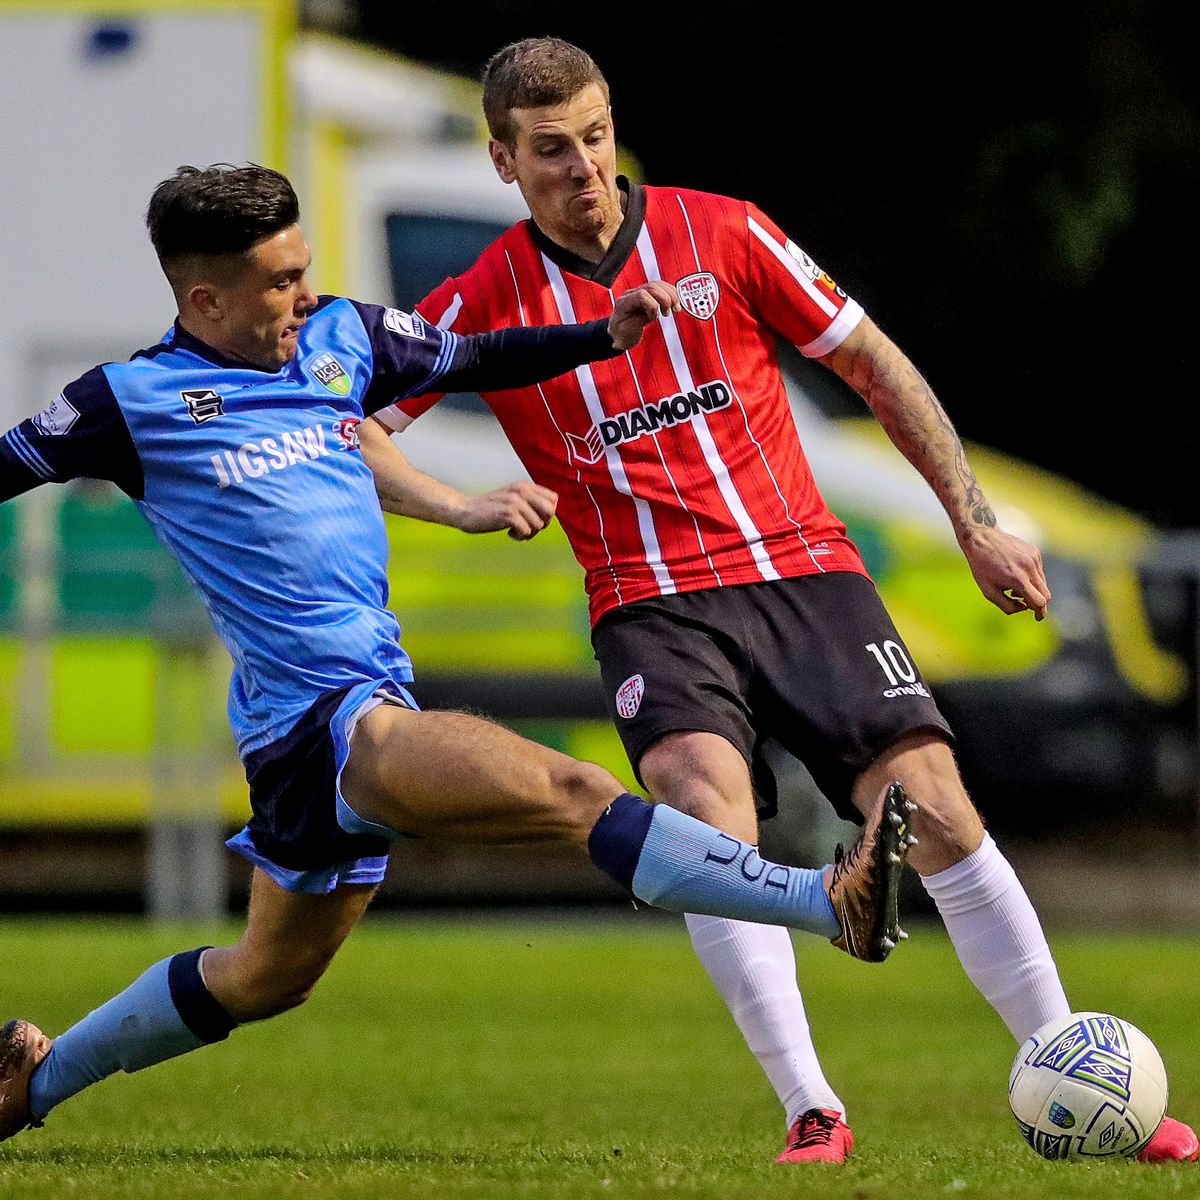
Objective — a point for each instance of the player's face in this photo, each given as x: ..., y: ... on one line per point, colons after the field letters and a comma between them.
x: 564, y: 160
x: 264, y: 308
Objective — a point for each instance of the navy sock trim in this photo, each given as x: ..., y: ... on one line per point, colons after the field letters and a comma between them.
x: 616, y: 840
x: 198, y: 1008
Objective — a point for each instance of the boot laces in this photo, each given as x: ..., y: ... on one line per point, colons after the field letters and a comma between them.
x: 815, y: 1128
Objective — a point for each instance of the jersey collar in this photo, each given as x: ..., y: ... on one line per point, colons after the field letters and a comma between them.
x: 610, y: 266
x: 183, y: 340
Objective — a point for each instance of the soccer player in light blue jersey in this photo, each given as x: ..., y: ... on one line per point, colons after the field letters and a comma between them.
x: 236, y: 436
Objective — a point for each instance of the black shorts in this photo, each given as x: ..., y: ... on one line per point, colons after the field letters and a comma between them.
x: 813, y: 662
x: 298, y: 832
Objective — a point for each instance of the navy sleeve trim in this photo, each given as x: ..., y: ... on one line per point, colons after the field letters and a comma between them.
x: 408, y: 355
x: 21, y: 447
x: 442, y: 364
x: 16, y: 477
x: 82, y: 433
x: 521, y: 356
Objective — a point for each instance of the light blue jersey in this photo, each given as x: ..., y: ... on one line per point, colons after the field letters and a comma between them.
x: 256, y: 484
x: 254, y: 480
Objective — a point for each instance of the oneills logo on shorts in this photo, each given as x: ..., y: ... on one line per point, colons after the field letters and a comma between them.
x: 699, y: 294
x: 649, y: 418
x: 629, y: 696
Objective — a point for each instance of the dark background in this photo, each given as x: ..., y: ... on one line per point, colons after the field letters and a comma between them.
x: 1010, y: 193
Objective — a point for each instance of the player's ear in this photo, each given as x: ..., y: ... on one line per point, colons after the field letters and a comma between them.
x: 205, y: 300
x: 502, y: 160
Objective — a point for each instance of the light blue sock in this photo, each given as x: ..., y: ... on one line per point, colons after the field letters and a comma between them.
x: 164, y: 1013
x: 674, y: 861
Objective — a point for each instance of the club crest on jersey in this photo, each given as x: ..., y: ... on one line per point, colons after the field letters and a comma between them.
x: 629, y: 696
x: 331, y: 374
x: 203, y: 404
x: 649, y: 418
x: 56, y: 419
x: 346, y: 431
x: 699, y: 294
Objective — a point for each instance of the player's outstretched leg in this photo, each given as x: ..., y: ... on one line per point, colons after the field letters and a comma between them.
x: 753, y: 966
x: 454, y: 776
x: 182, y: 1003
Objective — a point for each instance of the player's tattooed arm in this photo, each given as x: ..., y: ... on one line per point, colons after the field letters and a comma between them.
x: 523, y: 509
x: 1008, y: 570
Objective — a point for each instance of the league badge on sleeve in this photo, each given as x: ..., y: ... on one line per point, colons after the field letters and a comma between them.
x: 56, y: 419
x: 699, y: 294
x: 407, y: 324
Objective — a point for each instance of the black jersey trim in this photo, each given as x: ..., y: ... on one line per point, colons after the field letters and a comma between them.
x: 611, y: 265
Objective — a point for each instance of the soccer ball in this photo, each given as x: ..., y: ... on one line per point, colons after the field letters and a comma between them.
x: 1089, y: 1085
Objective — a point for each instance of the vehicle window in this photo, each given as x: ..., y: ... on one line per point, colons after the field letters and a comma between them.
x: 425, y: 249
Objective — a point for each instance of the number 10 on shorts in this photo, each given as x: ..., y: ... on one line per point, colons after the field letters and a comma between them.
x: 894, y: 662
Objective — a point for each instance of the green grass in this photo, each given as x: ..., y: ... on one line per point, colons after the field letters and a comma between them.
x: 532, y: 1059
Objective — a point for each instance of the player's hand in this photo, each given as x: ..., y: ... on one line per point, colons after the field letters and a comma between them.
x: 637, y: 308
x: 524, y: 509
x: 1008, y: 570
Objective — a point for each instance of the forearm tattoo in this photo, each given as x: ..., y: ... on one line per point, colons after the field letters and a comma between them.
x: 904, y: 404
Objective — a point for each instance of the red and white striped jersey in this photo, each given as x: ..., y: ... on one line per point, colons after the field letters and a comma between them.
x: 677, y: 464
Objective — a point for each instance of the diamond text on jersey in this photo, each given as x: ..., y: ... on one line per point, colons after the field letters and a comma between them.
x: 649, y: 418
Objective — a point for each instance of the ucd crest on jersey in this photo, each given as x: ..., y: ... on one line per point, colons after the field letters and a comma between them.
x: 331, y: 374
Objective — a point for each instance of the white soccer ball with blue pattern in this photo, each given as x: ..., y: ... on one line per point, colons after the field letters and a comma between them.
x: 1089, y: 1085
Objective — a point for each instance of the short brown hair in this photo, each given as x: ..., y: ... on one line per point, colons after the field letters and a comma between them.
x: 534, y: 73
x: 217, y: 212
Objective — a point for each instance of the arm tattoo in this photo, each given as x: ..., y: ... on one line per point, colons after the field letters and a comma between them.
x: 906, y: 407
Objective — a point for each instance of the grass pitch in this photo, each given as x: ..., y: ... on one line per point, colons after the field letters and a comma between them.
x: 573, y: 1059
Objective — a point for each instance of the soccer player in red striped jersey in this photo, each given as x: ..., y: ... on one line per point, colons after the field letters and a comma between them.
x: 728, y: 603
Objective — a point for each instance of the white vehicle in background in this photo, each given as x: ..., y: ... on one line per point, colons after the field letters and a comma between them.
x: 97, y: 641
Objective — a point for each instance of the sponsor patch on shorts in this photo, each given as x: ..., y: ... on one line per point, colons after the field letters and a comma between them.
x: 629, y: 696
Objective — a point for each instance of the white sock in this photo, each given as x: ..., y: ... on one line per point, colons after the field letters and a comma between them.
x: 754, y: 969
x: 998, y: 938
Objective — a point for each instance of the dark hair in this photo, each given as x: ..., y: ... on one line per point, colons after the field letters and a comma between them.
x: 534, y: 73
x: 216, y: 211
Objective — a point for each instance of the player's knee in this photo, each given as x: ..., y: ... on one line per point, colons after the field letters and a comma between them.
x: 948, y: 828
x: 581, y: 790
x: 262, y: 988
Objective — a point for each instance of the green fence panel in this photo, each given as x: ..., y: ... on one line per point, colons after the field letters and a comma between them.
x: 114, y: 574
